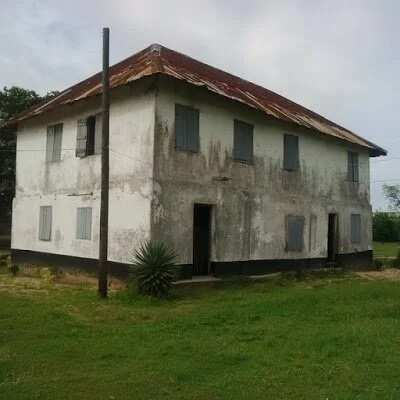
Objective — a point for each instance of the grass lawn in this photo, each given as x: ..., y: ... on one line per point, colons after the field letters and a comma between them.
x: 388, y: 249
x: 335, y: 337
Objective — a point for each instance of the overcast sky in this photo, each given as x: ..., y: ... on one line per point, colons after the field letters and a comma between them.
x: 339, y: 58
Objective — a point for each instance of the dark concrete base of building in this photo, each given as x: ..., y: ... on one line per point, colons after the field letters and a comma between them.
x: 57, y: 260
x: 219, y: 269
x: 362, y: 259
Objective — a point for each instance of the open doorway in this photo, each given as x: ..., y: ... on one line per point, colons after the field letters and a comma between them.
x: 332, y: 237
x: 201, y: 239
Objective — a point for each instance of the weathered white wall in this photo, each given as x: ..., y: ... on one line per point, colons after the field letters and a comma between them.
x: 155, y: 198
x: 250, y: 207
x: 75, y: 182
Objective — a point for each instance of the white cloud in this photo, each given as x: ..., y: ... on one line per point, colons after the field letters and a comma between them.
x: 338, y: 58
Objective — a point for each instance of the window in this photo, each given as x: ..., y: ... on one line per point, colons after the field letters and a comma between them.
x: 54, y: 141
x: 352, y: 166
x: 89, y: 135
x: 243, y: 141
x: 291, y: 153
x: 355, y: 228
x: 294, y: 233
x: 84, y: 223
x: 45, y: 223
x: 313, y: 233
x: 186, y: 128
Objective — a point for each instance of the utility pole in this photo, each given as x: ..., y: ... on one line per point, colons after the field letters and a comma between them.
x: 105, y: 168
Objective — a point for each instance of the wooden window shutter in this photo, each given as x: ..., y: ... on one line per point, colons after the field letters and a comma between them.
x: 291, y: 153
x: 295, y: 233
x: 81, y: 139
x: 58, y: 129
x: 352, y: 167
x: 98, y: 134
x: 243, y: 141
x: 355, y: 168
x: 349, y: 166
x: 50, y: 143
x: 355, y: 228
x: 186, y: 128
x: 84, y: 223
x: 45, y: 221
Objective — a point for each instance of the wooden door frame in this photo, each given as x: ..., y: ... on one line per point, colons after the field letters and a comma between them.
x: 211, y: 208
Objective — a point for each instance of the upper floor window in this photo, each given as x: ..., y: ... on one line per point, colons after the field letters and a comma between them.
x: 45, y: 221
x: 89, y: 135
x: 187, y: 128
x: 291, y: 153
x: 54, y: 142
x: 355, y: 228
x: 243, y: 141
x: 352, y: 166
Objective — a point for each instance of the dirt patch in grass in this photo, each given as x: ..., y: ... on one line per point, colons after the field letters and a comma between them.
x: 389, y: 273
x: 81, y: 279
x: 32, y: 278
x: 21, y: 284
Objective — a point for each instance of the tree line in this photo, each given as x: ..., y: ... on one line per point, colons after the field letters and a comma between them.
x: 13, y: 101
x: 386, y: 225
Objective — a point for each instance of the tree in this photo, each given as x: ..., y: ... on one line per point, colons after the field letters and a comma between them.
x: 386, y: 227
x: 392, y: 194
x: 13, y: 101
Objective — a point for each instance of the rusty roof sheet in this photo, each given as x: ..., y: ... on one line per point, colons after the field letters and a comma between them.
x: 157, y: 59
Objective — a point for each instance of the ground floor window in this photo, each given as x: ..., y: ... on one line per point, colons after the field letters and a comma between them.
x: 84, y: 223
x: 294, y: 233
x: 45, y: 221
x: 355, y: 228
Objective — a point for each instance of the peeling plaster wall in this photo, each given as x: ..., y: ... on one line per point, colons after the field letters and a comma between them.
x: 251, y: 201
x: 75, y: 182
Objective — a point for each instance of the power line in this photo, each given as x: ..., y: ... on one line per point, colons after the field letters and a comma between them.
x: 26, y: 150
x: 386, y: 159
x: 386, y: 180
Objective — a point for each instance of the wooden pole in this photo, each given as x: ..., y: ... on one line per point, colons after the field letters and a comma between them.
x: 105, y: 169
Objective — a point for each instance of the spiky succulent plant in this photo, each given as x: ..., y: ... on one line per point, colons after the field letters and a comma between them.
x: 154, y: 267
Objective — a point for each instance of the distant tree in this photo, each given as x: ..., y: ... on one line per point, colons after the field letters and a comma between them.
x: 13, y: 101
x: 386, y: 227
x: 392, y: 194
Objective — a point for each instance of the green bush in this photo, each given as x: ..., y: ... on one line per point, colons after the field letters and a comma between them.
x: 386, y: 227
x: 4, y: 260
x: 14, y: 269
x: 379, y: 265
x: 396, y: 261
x: 154, y: 267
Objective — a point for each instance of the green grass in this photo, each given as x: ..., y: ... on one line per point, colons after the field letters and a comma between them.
x: 388, y: 249
x: 329, y: 338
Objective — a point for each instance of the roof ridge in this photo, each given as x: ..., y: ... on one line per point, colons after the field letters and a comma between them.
x: 156, y: 59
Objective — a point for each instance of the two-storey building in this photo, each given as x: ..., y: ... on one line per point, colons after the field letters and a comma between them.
x: 235, y: 177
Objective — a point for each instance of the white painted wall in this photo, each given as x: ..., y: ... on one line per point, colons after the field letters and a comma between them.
x: 320, y: 189
x: 75, y: 182
x: 156, y: 200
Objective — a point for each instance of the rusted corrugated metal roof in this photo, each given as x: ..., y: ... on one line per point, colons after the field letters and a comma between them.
x: 157, y: 59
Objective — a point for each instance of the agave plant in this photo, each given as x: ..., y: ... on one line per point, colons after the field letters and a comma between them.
x: 154, y: 268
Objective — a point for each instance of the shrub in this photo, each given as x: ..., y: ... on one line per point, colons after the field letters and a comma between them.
x: 4, y: 260
x: 379, y: 265
x: 396, y: 261
x: 154, y: 267
x: 14, y: 269
x: 47, y: 275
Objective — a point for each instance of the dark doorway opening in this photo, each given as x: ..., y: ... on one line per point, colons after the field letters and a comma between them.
x: 332, y: 237
x: 201, y: 239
